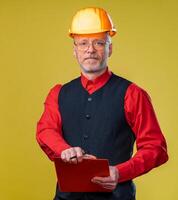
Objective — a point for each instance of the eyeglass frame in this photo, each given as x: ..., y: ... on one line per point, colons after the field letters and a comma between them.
x: 93, y: 43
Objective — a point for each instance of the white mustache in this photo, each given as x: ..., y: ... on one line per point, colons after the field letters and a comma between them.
x: 91, y: 57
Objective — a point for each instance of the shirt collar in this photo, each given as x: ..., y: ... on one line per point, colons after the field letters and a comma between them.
x: 93, y: 85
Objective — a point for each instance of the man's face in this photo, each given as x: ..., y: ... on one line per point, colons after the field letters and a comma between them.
x: 92, y: 51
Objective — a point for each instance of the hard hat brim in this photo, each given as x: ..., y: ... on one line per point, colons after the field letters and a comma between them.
x: 111, y: 33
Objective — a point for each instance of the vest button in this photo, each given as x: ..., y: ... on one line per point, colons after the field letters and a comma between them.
x: 85, y: 136
x: 89, y: 99
x: 87, y: 116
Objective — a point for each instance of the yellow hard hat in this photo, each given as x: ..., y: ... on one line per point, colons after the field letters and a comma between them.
x: 91, y: 20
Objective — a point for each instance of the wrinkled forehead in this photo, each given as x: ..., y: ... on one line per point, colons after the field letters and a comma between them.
x: 94, y: 36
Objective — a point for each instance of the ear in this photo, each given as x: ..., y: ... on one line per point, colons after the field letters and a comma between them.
x: 110, y: 49
x: 74, y: 51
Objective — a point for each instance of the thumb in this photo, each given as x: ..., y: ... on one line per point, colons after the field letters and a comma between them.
x: 89, y: 156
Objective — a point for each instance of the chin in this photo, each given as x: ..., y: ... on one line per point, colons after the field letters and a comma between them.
x: 92, y: 69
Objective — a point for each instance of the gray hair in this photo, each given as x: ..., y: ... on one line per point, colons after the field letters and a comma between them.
x: 108, y: 38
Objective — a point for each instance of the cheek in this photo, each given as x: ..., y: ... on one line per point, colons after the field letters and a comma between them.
x: 102, y: 55
x: 78, y: 57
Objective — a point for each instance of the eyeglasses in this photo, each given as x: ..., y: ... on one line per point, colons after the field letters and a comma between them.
x: 85, y: 44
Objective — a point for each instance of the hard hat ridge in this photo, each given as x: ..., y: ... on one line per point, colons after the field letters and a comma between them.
x: 91, y: 20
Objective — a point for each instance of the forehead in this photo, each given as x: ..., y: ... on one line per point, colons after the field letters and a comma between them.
x: 90, y: 36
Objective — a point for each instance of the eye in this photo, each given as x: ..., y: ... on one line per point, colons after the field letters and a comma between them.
x: 100, y: 43
x: 82, y: 43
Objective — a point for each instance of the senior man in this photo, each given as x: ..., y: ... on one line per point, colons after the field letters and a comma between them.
x: 100, y: 114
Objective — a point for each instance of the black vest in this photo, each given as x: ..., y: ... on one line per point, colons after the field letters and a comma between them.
x: 97, y: 124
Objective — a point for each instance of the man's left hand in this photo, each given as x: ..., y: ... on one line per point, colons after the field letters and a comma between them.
x: 109, y: 182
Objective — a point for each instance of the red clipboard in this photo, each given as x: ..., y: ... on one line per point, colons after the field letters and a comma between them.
x: 77, y: 177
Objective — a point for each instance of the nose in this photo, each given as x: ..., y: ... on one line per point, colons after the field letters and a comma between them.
x: 91, y: 48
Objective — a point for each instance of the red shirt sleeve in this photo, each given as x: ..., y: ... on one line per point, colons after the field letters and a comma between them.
x: 150, y: 142
x: 49, y: 133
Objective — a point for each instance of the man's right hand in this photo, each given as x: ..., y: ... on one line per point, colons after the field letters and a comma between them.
x: 75, y: 155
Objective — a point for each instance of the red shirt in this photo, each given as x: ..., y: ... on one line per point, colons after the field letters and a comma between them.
x: 140, y: 115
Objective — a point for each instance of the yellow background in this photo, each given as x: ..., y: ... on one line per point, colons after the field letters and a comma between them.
x: 36, y: 53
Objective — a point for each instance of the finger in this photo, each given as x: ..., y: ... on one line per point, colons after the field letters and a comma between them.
x: 73, y: 156
x: 63, y: 156
x: 73, y: 160
x: 109, y: 187
x: 106, y: 185
x: 79, y: 154
x: 83, y: 152
x: 67, y: 155
x: 107, y: 179
x: 89, y: 156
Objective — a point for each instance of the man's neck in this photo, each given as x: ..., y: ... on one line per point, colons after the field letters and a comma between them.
x: 94, y: 75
